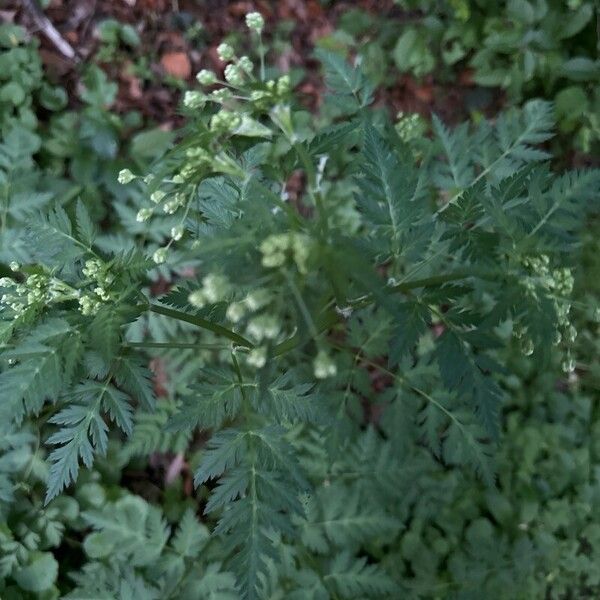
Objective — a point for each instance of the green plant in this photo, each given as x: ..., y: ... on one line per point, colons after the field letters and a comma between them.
x: 112, y: 35
x: 335, y: 344
x: 530, y: 49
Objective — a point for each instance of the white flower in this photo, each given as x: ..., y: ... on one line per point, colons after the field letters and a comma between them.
x: 255, y: 21
x: 235, y: 312
x: 157, y: 196
x: 257, y: 299
x: 14, y: 266
x: 225, y: 52
x: 171, y: 206
x: 92, y: 267
x: 88, y: 305
x: 257, y: 357
x: 233, y: 75
x: 206, y: 77
x: 125, y: 176
x: 245, y: 64
x: 177, y: 232
x: 216, y: 287
x: 263, y: 327
x: 197, y: 299
x: 160, y: 255
x: 143, y: 215
x: 102, y: 293
x: 194, y: 99
x: 324, y: 366
x: 283, y: 85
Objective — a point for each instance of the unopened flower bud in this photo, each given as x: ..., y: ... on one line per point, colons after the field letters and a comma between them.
x: 246, y: 64
x: 255, y: 21
x: 194, y: 99
x: 206, y: 77
x: 235, y: 312
x: 197, y: 299
x: 177, y: 232
x: 257, y: 357
x: 160, y: 256
x: 143, y: 215
x: 225, y: 52
x: 157, y: 196
x: 324, y: 366
x: 234, y: 75
x: 125, y: 176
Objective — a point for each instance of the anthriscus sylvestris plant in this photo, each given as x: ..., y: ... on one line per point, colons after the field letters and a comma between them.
x: 327, y: 304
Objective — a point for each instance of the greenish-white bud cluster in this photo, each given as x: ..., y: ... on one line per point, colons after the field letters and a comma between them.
x: 263, y: 327
x: 277, y: 248
x: 206, y: 77
x: 255, y: 21
x: 194, y: 99
x: 225, y: 52
x: 215, y: 288
x: 96, y: 269
x: 246, y: 65
x: 324, y: 366
x: 174, y: 203
x: 143, y: 214
x: 253, y: 302
x: 257, y: 357
x: 236, y: 311
x: 89, y: 304
x: 225, y: 121
x: 558, y: 284
x: 234, y: 75
x: 568, y: 365
x: 157, y: 196
x: 410, y: 126
x: 177, y: 232
x: 37, y: 291
x: 125, y: 176
x: 221, y: 96
x: 160, y: 255
x: 102, y: 280
x: 276, y: 91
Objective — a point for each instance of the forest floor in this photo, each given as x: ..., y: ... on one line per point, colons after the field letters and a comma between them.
x: 179, y: 37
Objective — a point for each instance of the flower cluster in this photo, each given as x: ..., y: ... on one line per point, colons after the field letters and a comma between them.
x: 125, y: 176
x: 262, y: 327
x: 215, y: 288
x: 324, y: 366
x: 277, y: 248
x: 410, y: 126
x: 101, y: 280
x: 255, y: 21
x: 37, y: 291
x: 558, y: 285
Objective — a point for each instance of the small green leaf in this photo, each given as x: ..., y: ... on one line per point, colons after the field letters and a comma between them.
x: 40, y: 574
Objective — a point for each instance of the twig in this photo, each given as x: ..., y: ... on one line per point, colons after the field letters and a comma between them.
x: 46, y: 27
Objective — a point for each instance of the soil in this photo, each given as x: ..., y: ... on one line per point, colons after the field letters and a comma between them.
x: 151, y: 75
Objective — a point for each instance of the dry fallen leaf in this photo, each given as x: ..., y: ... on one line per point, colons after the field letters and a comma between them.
x: 176, y: 64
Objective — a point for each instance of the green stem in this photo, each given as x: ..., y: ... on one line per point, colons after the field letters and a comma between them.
x: 202, y: 323
x: 432, y: 281
x: 183, y: 345
x: 330, y: 318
